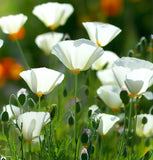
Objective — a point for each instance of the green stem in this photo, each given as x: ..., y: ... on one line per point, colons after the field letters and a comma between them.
x: 129, y: 124
x: 123, y: 137
x: 39, y: 103
x: 75, y: 116
x: 22, y: 54
x: 130, y: 114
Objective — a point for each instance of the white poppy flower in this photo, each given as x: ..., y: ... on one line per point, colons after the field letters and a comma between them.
x: 108, y: 58
x: 106, y: 77
x: 144, y: 130
x: 133, y: 74
x: 107, y: 123
x: 101, y: 33
x: 53, y: 14
x: 1, y: 43
x: 77, y: 55
x: 47, y: 40
x: 32, y: 123
x: 15, y: 109
x: 110, y: 94
x: 42, y: 80
x: 12, y: 24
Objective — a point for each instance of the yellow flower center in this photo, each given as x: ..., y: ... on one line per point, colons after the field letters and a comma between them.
x: 28, y: 140
x: 99, y: 44
x: 19, y: 35
x: 53, y: 27
x: 132, y: 96
x: 75, y: 71
x: 39, y: 94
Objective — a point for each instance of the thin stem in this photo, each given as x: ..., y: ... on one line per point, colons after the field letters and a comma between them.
x: 130, y: 114
x: 75, y: 115
x: 123, y: 136
x: 22, y: 54
x: 39, y: 103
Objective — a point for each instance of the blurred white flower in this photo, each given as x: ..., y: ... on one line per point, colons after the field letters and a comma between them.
x: 32, y: 123
x: 47, y: 40
x: 106, y: 77
x: 1, y: 43
x: 12, y: 24
x: 107, y: 59
x: 106, y: 123
x: 110, y: 94
x: 53, y: 14
x: 93, y: 108
x: 22, y: 91
x: 144, y: 125
x: 15, y: 109
x: 42, y: 80
x: 133, y: 74
x: 101, y: 33
x: 77, y: 55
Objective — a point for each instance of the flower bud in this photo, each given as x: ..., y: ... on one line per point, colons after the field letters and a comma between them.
x: 84, y: 138
x: 124, y: 97
x: 71, y: 121
x: 5, y: 117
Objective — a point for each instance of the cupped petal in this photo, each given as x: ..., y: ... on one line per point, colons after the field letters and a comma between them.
x: 15, y: 109
x: 138, y: 80
x: 78, y: 54
x: 11, y: 24
x: 53, y: 13
x: 107, y: 123
x: 47, y: 40
x: 106, y: 77
x: 102, y: 33
x: 1, y: 43
x: 144, y: 130
x: 107, y: 59
x: 32, y: 123
x: 110, y: 95
x: 133, y: 63
x: 42, y: 80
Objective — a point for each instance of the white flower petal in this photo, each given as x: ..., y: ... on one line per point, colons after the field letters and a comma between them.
x: 1, y: 43
x: 78, y: 54
x: 108, y: 58
x: 106, y: 77
x: 110, y: 95
x: 53, y: 13
x: 144, y: 130
x: 101, y: 32
x: 107, y: 123
x: 32, y: 123
x: 47, y: 40
x: 42, y: 80
x: 15, y: 109
x: 12, y: 23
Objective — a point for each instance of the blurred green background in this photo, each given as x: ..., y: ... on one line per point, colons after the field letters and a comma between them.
x: 134, y: 17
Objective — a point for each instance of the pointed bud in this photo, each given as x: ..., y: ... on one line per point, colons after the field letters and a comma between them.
x: 71, y: 121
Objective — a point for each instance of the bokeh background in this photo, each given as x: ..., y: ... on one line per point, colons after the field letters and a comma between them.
x: 134, y: 17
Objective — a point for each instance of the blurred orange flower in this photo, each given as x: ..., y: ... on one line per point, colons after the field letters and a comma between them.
x: 111, y: 7
x: 9, y: 70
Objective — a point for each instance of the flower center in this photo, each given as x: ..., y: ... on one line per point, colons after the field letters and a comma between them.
x: 39, y: 94
x: 19, y: 35
x: 132, y: 96
x: 75, y: 71
x: 99, y: 44
x: 53, y: 27
x: 28, y: 140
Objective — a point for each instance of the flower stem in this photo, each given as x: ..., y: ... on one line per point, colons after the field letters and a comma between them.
x: 39, y: 103
x: 22, y: 54
x: 75, y: 116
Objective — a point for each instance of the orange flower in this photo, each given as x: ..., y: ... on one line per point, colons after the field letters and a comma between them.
x: 111, y: 7
x: 2, y: 78
x: 10, y: 68
x: 19, y: 35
